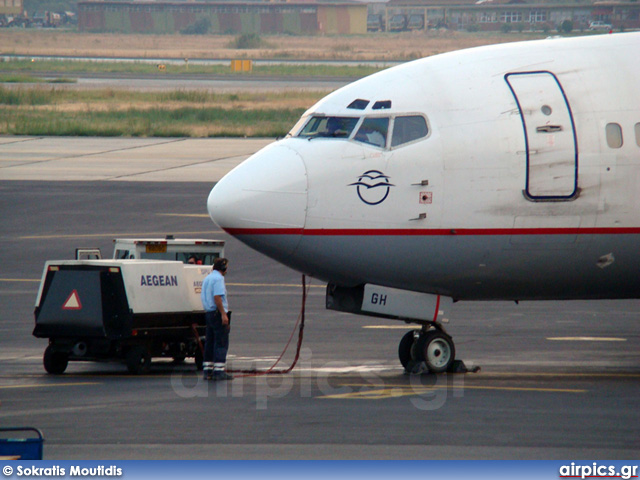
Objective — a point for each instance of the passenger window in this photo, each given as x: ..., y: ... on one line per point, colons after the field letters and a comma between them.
x: 407, y: 129
x: 373, y: 131
x: 331, y: 127
x: 614, y: 135
x: 638, y: 134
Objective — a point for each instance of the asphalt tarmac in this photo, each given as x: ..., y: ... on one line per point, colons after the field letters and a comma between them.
x: 201, y: 82
x: 558, y: 380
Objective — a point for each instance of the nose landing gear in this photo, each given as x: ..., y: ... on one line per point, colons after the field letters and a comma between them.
x: 430, y: 347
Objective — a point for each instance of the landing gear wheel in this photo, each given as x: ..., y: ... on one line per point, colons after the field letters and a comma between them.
x: 199, y: 359
x: 436, y: 349
x: 404, y: 349
x: 54, y: 362
x: 138, y: 360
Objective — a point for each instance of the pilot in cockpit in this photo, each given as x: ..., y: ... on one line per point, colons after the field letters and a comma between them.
x: 334, y: 127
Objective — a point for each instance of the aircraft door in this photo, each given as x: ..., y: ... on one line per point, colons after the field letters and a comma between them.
x: 549, y: 134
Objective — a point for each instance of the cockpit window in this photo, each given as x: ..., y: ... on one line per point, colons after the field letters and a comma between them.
x: 331, y: 127
x: 407, y: 129
x: 373, y: 131
x: 382, y: 105
x: 359, y: 104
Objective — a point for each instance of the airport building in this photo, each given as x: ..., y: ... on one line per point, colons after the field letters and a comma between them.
x: 10, y: 7
x: 348, y: 16
x: 487, y: 15
x: 343, y: 17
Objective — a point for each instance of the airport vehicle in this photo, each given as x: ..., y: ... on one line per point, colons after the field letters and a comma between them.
x: 128, y: 309
x: 375, y: 23
x: 598, y: 25
x: 398, y: 23
x: 204, y: 251
x: 416, y: 22
x: 507, y: 172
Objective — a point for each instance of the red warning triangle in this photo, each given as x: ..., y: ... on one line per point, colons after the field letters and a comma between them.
x: 73, y: 302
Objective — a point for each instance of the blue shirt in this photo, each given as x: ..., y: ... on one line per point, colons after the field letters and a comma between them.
x: 213, y: 285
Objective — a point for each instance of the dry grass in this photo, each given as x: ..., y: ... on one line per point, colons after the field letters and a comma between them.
x: 402, y: 46
x: 108, y: 99
x: 52, y: 111
x: 291, y: 102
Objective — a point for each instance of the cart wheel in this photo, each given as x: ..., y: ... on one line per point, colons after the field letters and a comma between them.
x: 138, y: 360
x: 199, y: 359
x: 179, y: 358
x: 55, y: 362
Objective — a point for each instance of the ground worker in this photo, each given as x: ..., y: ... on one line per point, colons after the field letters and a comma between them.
x: 217, y: 315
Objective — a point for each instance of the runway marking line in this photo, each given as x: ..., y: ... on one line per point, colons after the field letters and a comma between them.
x: 287, y: 285
x: 587, y: 339
x: 47, y: 385
x: 395, y: 391
x: 116, y: 235
x: 391, y: 327
x: 189, y: 215
x: 550, y: 374
x: 19, y: 279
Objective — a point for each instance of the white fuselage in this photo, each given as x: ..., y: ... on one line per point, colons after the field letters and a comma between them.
x: 505, y: 172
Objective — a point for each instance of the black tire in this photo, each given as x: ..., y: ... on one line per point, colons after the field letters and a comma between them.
x: 436, y: 349
x: 54, y: 362
x: 404, y: 349
x: 138, y: 360
x: 199, y: 359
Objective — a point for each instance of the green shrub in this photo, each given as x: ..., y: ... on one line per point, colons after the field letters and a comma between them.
x: 201, y: 27
x: 566, y: 26
x: 248, y: 41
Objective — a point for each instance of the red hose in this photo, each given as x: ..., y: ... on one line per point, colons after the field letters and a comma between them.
x: 253, y: 372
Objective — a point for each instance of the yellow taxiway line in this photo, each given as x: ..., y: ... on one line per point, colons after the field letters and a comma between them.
x: 285, y: 285
x: 191, y: 215
x: 587, y: 339
x: 19, y: 279
x: 392, y: 391
x: 392, y: 327
x: 118, y: 235
x: 47, y: 385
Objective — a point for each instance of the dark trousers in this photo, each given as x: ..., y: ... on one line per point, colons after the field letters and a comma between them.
x: 216, y: 342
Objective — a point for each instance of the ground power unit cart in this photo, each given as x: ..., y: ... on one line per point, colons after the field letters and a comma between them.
x: 128, y: 309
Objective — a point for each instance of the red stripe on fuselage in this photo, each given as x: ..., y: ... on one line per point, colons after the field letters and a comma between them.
x: 432, y: 232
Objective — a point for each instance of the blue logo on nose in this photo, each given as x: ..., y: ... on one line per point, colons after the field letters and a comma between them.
x: 373, y: 187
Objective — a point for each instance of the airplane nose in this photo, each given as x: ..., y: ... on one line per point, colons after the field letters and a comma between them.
x: 263, y: 201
